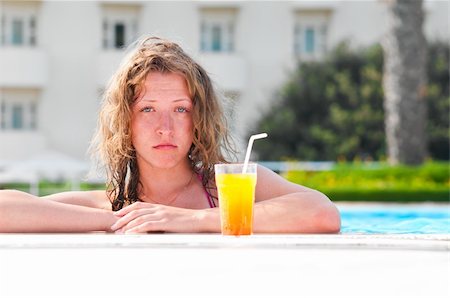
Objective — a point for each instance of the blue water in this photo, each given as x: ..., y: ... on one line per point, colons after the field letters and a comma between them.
x: 385, y: 219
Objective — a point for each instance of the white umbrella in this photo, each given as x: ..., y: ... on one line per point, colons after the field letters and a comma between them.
x: 50, y: 165
x: 18, y: 176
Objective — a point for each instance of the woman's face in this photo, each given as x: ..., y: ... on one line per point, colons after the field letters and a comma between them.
x: 161, y: 121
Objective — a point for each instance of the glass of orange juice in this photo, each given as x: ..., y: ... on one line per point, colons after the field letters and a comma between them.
x: 236, y: 197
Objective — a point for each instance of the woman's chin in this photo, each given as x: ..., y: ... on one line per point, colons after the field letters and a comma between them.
x: 165, y: 163
x: 162, y: 161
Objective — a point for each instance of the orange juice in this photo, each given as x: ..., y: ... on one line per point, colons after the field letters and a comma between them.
x: 236, y: 197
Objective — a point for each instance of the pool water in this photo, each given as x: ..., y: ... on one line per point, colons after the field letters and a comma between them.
x: 398, y: 219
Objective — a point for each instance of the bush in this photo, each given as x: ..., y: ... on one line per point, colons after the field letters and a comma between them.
x: 333, y: 110
x: 379, y: 182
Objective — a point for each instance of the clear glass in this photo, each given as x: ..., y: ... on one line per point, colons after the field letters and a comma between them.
x: 310, y: 40
x: 236, y: 197
x: 17, y: 32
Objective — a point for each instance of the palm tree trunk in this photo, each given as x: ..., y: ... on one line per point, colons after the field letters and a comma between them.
x: 404, y: 82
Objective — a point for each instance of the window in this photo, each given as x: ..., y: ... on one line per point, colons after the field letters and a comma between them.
x: 310, y: 34
x: 2, y: 29
x: 33, y: 31
x: 119, y: 25
x: 18, y: 110
x: 33, y: 115
x: 17, y: 116
x: 309, y: 40
x: 119, y: 35
x: 217, y: 30
x: 2, y: 114
x: 216, y: 39
x: 18, y: 23
x: 17, y: 32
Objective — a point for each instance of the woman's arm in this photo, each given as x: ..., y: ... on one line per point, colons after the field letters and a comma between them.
x: 285, y: 207
x: 281, y: 207
x: 93, y: 199
x: 22, y: 213
x: 294, y: 213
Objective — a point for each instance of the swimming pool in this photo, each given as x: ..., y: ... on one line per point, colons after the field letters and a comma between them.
x: 395, y: 219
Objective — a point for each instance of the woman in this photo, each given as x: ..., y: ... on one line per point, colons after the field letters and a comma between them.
x: 160, y: 132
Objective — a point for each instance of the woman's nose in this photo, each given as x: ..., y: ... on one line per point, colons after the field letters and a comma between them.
x: 165, y: 125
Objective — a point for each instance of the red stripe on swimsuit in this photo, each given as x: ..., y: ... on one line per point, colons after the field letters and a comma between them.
x: 211, y: 202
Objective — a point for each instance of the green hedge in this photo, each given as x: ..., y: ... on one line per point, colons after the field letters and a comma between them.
x: 379, y: 182
x: 345, y: 182
x: 388, y: 195
x: 47, y: 188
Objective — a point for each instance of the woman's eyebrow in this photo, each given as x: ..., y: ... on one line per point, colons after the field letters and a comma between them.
x: 155, y: 100
x: 182, y: 99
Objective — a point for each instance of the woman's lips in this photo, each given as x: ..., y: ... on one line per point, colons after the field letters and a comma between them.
x: 165, y: 146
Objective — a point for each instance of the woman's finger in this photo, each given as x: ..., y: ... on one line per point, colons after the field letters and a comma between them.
x: 147, y: 226
x: 134, y: 206
x: 129, y: 217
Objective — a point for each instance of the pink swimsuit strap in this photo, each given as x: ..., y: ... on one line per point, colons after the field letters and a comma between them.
x: 208, y: 196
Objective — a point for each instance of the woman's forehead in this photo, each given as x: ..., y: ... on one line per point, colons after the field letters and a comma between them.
x: 165, y: 78
x: 160, y: 86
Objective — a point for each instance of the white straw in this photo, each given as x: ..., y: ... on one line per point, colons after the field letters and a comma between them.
x: 249, y: 149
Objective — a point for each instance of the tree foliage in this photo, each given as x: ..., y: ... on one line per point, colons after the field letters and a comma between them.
x: 438, y: 100
x: 333, y: 109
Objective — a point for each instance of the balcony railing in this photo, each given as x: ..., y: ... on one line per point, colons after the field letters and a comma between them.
x: 23, y: 67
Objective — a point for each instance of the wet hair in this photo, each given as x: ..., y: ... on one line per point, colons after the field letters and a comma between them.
x: 112, y: 143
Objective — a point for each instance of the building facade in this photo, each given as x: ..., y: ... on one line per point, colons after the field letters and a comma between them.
x: 57, y: 56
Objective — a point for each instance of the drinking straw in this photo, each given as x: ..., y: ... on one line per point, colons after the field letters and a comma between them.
x: 249, y: 149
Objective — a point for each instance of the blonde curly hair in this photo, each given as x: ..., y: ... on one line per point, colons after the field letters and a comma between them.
x: 112, y: 143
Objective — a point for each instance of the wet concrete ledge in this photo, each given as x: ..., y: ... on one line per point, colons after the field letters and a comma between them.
x: 211, y: 265
x: 432, y: 242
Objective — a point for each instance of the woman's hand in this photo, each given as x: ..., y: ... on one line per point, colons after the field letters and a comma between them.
x: 143, y: 217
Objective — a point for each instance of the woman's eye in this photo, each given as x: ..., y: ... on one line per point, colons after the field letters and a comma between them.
x: 147, y: 109
x: 181, y: 110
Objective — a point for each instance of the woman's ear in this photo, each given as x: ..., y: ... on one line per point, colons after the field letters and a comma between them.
x: 190, y: 151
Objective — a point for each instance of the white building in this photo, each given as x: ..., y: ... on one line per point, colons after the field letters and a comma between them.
x: 56, y: 56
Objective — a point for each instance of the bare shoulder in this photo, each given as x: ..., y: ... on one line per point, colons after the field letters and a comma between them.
x: 270, y: 184
x: 92, y: 198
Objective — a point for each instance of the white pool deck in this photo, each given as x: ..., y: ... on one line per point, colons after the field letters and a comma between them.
x: 211, y: 265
